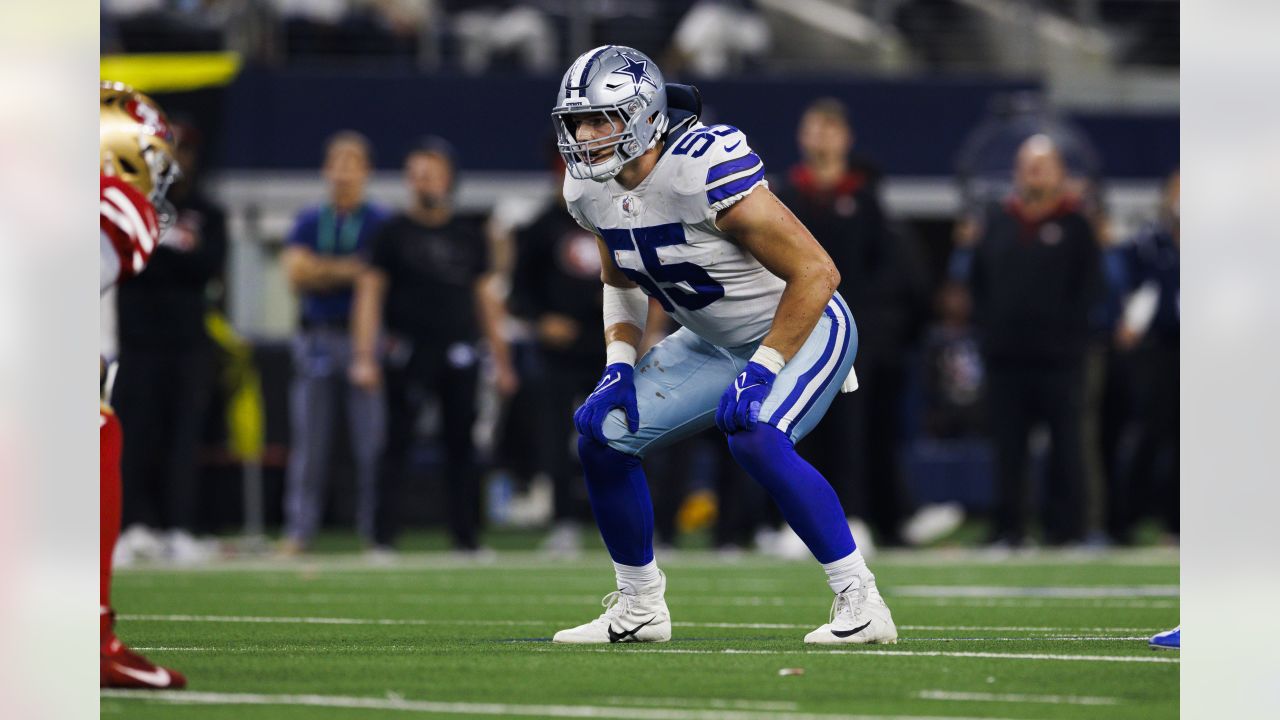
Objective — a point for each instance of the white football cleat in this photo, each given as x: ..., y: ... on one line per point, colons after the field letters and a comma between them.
x: 626, y: 618
x: 858, y: 615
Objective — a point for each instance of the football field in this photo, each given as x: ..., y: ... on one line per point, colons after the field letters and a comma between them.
x: 1037, y: 635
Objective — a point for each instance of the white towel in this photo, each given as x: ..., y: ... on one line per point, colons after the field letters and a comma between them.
x: 850, y: 383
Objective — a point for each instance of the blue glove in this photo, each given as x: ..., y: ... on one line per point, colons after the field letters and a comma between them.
x: 616, y: 389
x: 740, y: 405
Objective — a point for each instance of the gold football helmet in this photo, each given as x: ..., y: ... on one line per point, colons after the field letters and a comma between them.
x: 135, y: 141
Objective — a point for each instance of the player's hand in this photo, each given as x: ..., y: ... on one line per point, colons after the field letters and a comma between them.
x: 740, y: 405
x: 505, y: 379
x: 365, y: 373
x: 1127, y: 338
x: 616, y: 389
x: 557, y: 331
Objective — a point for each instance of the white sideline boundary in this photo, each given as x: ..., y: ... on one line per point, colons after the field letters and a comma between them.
x: 530, y: 623
x: 499, y: 709
x: 1015, y: 698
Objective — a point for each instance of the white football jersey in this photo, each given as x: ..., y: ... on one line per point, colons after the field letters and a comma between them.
x: 663, y: 234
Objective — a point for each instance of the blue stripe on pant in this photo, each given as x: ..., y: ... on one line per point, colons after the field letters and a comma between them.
x: 679, y: 383
x: 814, y: 375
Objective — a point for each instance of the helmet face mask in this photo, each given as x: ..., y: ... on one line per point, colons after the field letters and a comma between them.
x: 624, y: 86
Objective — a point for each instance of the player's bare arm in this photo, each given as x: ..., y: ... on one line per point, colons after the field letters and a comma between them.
x: 366, y: 322
x: 764, y: 227
x: 307, y: 271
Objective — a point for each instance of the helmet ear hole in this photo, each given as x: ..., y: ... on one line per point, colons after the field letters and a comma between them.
x: 127, y: 166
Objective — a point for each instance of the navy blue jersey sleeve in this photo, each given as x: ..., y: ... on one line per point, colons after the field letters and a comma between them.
x: 303, y: 232
x: 733, y: 168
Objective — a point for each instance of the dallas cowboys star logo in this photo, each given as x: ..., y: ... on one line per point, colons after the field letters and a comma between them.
x: 638, y: 70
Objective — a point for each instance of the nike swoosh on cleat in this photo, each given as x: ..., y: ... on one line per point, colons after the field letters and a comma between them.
x: 155, y: 678
x: 847, y: 633
x: 730, y: 148
x: 615, y: 636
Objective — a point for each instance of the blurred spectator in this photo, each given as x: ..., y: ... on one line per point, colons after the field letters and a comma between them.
x: 556, y: 287
x: 166, y: 376
x: 716, y: 37
x: 943, y: 34
x: 167, y: 25
x: 840, y: 206
x: 428, y: 285
x: 345, y: 28
x: 954, y: 374
x: 322, y: 262
x: 836, y: 195
x: 1034, y: 278
x: 1149, y: 329
x: 491, y: 32
x: 985, y: 159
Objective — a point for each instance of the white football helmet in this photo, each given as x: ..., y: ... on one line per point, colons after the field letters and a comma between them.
x: 625, y: 85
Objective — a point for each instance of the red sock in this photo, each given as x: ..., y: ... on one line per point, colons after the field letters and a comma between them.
x: 110, y: 439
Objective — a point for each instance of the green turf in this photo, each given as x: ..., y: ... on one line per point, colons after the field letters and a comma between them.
x: 460, y: 633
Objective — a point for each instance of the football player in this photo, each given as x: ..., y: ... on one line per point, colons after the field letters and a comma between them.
x: 136, y: 167
x: 1167, y: 640
x: 682, y: 213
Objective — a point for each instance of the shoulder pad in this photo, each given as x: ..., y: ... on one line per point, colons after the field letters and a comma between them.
x: 574, y: 191
x: 129, y: 221
x: 718, y: 162
x: 573, y: 187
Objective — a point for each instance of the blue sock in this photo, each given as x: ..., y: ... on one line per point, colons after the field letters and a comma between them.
x: 806, y: 498
x: 620, y: 500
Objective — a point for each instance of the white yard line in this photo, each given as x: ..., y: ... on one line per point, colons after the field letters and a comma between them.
x: 1031, y: 638
x: 1059, y: 592
x: 316, y: 648
x: 1036, y: 603
x: 1043, y: 632
x: 533, y: 623
x: 904, y: 653
x: 1029, y: 597
x: 1030, y: 628
x: 714, y: 703
x: 1015, y: 698
x: 467, y: 708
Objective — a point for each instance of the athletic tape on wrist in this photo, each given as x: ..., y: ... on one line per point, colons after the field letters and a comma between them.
x: 620, y: 351
x: 625, y: 305
x: 769, y: 358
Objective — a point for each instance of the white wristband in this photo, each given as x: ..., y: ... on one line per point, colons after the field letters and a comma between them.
x: 769, y: 358
x: 620, y: 351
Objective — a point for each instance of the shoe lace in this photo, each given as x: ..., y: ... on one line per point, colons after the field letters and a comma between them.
x: 615, y: 605
x: 850, y: 600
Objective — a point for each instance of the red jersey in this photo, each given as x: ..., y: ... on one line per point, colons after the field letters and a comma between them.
x: 129, y: 228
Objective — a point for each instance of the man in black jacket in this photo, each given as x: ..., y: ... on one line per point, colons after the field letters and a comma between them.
x: 836, y: 195
x: 428, y: 285
x: 167, y: 363
x: 556, y: 287
x: 1035, y: 275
